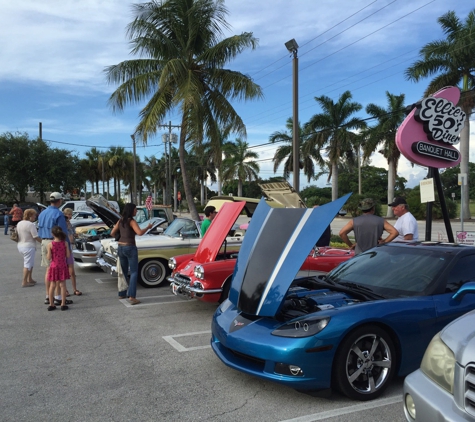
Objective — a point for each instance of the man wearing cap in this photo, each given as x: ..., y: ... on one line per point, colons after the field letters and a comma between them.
x: 47, y: 219
x: 368, y: 229
x: 406, y: 224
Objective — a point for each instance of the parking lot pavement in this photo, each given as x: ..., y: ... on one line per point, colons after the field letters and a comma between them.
x: 103, y: 360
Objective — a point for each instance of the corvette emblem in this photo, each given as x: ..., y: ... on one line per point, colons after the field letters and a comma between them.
x: 238, y: 323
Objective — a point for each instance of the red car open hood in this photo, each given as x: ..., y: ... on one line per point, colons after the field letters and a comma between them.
x: 217, y: 231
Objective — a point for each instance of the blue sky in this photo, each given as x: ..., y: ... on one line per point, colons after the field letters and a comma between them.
x: 54, y: 53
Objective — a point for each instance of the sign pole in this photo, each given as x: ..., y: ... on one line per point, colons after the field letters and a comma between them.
x: 443, y: 206
x: 429, y: 206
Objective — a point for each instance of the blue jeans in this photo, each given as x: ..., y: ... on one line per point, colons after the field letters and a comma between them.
x: 128, y: 257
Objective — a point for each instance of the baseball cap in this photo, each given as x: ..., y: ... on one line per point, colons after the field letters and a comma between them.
x: 55, y: 196
x: 398, y: 201
x: 366, y: 204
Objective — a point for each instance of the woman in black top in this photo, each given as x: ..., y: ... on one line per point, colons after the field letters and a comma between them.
x: 127, y: 251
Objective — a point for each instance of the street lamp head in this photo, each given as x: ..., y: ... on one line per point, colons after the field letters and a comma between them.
x: 292, y: 45
x: 133, y: 137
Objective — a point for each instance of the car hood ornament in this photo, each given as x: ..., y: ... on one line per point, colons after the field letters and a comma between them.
x: 274, y: 248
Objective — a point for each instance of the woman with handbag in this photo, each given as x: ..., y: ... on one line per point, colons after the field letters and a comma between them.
x: 27, y: 236
x: 124, y: 232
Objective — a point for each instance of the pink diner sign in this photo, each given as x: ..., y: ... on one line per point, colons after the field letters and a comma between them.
x: 429, y: 132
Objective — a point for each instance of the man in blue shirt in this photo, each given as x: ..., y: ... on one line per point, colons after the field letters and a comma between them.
x: 47, y: 219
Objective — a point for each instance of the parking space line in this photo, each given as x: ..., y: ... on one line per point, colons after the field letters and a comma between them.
x: 347, y: 410
x: 100, y: 281
x: 146, y: 298
x: 171, y: 340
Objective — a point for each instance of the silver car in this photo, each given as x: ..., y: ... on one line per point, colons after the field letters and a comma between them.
x: 443, y: 389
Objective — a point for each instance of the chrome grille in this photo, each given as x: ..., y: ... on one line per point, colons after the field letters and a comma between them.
x: 79, y: 245
x: 183, y: 279
x: 469, y: 395
x: 109, y: 259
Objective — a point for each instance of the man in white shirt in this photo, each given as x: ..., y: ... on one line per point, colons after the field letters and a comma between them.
x: 406, y: 224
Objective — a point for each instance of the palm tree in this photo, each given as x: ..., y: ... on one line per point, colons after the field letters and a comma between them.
x: 203, y: 166
x: 332, y: 131
x: 384, y: 134
x: 238, y: 163
x: 118, y: 164
x: 181, y: 66
x: 308, y: 153
x: 453, y: 61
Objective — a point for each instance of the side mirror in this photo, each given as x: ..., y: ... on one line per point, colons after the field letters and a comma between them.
x: 466, y: 288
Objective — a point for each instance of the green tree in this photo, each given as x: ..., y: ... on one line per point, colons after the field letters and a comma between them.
x: 284, y: 153
x: 93, y: 157
x: 452, y: 63
x: 332, y: 131
x: 183, y: 54
x: 238, y: 163
x: 383, y: 136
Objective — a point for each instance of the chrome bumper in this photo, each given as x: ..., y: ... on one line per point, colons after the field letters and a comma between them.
x: 184, y: 289
x: 106, y: 267
x: 86, y: 257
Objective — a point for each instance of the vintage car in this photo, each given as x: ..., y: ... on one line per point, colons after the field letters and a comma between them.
x: 369, y: 319
x: 88, y: 244
x: 443, y: 389
x: 182, y: 236
x: 206, y: 275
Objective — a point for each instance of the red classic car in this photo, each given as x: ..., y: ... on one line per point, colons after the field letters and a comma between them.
x: 206, y: 275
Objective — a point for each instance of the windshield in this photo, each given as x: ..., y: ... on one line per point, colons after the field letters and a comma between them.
x: 393, y: 271
x: 183, y: 227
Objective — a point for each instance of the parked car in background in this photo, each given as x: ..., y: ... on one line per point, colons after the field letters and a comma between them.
x: 443, y: 389
x: 83, y: 206
x: 206, y: 275
x: 85, y: 218
x: 369, y: 319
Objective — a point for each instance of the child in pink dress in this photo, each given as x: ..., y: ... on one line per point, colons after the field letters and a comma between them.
x: 58, y: 272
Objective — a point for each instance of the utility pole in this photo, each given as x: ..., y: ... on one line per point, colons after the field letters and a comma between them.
x: 168, y: 138
x: 134, y: 190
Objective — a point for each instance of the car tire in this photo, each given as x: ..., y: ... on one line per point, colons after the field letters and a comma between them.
x: 355, y: 371
x: 226, y: 288
x: 153, y: 272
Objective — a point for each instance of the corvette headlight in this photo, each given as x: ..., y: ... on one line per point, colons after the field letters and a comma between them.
x: 172, y: 263
x: 199, y: 272
x: 302, y: 328
x: 438, y: 364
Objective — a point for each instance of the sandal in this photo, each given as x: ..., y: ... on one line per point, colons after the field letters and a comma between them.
x: 64, y: 308
x: 51, y: 308
x: 58, y: 302
x: 77, y: 293
x: 67, y: 294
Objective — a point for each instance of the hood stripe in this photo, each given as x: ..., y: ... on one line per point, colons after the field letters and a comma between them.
x: 283, y: 257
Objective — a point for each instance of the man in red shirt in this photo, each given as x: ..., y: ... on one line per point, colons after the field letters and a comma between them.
x: 17, y: 214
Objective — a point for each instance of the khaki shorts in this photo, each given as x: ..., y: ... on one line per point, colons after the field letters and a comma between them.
x: 44, y: 252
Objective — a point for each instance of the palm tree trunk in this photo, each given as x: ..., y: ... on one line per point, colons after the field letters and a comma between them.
x: 186, y: 182
x: 202, y: 192
x: 335, y: 181
x: 464, y: 152
x: 239, y: 187
x: 391, y: 182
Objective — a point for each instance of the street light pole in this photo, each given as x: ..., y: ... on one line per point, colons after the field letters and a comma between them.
x: 292, y: 46
x: 168, y: 180
x: 134, y: 190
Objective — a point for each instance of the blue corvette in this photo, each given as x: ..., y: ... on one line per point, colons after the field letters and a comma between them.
x: 369, y: 319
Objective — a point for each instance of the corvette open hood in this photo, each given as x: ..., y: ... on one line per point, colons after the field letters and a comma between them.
x: 274, y: 248
x: 217, y: 231
x: 103, y: 209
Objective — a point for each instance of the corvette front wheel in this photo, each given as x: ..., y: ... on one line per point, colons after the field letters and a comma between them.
x: 364, y: 363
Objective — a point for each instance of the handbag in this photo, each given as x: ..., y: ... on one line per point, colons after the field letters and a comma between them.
x: 14, y: 234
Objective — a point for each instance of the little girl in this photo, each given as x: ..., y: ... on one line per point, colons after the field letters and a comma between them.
x: 58, y: 271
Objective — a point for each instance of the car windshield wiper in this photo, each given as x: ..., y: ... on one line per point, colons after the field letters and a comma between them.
x: 359, y: 287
